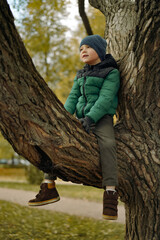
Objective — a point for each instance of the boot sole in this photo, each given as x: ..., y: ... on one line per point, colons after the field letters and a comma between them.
x: 106, y: 217
x: 34, y: 204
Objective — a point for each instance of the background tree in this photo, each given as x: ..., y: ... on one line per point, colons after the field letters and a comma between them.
x: 6, y: 151
x: 43, y: 35
x: 34, y: 121
x: 83, y: 15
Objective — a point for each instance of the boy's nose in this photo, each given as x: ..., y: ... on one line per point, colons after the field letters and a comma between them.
x: 84, y: 50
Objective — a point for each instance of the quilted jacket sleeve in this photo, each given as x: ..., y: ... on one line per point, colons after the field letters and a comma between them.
x: 107, y: 96
x: 71, y: 102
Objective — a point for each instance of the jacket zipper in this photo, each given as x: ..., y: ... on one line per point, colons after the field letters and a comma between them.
x: 84, y: 96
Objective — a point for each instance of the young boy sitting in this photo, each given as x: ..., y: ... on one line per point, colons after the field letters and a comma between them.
x: 94, y: 98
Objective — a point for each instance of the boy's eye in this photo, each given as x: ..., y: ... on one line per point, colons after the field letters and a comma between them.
x: 86, y: 46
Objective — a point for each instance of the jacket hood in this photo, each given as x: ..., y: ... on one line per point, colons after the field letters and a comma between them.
x: 109, y: 61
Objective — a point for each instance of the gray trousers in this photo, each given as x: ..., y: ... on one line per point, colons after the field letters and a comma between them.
x: 104, y: 133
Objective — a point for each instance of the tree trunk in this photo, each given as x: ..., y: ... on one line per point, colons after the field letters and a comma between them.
x: 133, y: 33
x: 34, y: 121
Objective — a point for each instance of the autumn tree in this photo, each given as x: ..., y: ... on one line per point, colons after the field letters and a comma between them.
x: 6, y: 151
x: 44, y: 35
x: 36, y: 124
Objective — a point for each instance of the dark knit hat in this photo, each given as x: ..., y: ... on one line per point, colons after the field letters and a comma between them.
x: 96, y: 42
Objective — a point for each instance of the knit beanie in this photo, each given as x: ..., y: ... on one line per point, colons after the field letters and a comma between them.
x: 96, y: 42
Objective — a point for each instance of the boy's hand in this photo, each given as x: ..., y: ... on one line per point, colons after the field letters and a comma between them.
x: 86, y: 123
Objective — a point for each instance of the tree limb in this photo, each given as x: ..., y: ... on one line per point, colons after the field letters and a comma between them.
x: 84, y: 17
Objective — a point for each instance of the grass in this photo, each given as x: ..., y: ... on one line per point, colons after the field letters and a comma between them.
x: 73, y: 191
x: 16, y: 174
x: 23, y: 223
x: 15, y: 178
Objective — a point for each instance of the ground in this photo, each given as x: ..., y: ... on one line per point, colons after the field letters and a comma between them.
x: 65, y: 205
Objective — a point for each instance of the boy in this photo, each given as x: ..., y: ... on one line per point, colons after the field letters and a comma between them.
x: 94, y: 99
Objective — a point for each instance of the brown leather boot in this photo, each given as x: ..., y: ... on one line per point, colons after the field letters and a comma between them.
x: 110, y: 203
x: 47, y: 194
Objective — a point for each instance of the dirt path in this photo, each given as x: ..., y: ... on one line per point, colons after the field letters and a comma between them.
x: 65, y: 205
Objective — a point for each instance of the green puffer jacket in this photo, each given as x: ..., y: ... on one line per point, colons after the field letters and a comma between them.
x: 95, y: 90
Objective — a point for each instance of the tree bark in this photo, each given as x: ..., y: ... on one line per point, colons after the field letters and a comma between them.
x: 134, y: 37
x: 36, y: 124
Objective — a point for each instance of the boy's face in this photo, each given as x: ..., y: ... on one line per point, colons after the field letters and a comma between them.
x: 89, y: 55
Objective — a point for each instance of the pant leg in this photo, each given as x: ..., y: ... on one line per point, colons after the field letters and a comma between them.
x: 106, y: 140
x: 50, y: 176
